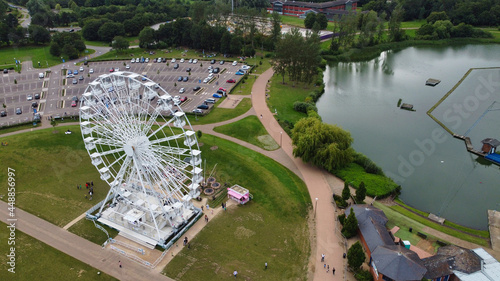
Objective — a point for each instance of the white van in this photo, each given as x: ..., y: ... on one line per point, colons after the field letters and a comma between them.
x: 40, y: 75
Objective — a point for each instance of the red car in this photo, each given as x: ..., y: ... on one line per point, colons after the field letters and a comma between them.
x: 222, y: 89
x: 231, y: 81
x: 111, y: 70
x: 73, y: 103
x: 183, y: 99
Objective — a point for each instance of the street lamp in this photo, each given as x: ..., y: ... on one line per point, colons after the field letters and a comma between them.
x: 281, y: 139
x: 316, y: 207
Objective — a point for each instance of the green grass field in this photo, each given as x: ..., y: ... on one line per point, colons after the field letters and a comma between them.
x: 222, y: 114
x: 35, y: 54
x: 282, y: 97
x: 36, y: 260
x: 272, y: 228
x: 249, y: 129
x: 86, y: 229
x: 245, y: 88
x: 48, y: 167
x: 376, y: 185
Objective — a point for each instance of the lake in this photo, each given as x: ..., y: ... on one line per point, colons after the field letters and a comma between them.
x: 436, y: 172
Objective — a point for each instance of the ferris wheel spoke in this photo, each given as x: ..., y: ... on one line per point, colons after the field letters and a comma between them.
x: 167, y: 139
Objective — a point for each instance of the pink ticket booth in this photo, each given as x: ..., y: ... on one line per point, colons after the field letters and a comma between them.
x: 238, y: 194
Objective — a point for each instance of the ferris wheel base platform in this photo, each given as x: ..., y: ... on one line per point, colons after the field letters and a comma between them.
x: 131, y: 235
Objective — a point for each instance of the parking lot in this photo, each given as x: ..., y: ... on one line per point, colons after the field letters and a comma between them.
x: 56, y: 90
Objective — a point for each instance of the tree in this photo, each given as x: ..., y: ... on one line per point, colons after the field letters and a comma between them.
x: 53, y: 122
x: 346, y: 192
x: 55, y: 49
x: 355, y: 256
x: 119, y: 43
x: 225, y: 43
x: 350, y: 225
x: 435, y: 16
x: 90, y: 29
x: 109, y: 30
x: 396, y: 34
x: 322, y: 20
x: 276, y: 27
x: 146, y: 37
x: 309, y: 20
x: 236, y: 45
x: 58, y: 7
x: 323, y: 145
x: 38, y: 34
x: 360, y: 193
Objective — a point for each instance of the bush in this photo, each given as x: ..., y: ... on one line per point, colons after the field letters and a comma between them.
x: 340, y: 202
x: 304, y: 107
x: 363, y: 275
x: 350, y: 226
x: 368, y: 165
x: 269, y: 55
x: 355, y: 256
x: 341, y: 219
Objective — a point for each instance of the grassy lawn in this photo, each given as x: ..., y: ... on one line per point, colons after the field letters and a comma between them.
x: 222, y: 114
x: 403, y: 218
x: 282, y: 97
x: 36, y: 260
x: 5, y: 130
x: 494, y: 31
x: 413, y: 24
x: 245, y: 88
x: 249, y: 129
x: 272, y: 228
x: 48, y: 168
x: 375, y: 184
x: 86, y: 229
x: 96, y: 43
x: 35, y: 54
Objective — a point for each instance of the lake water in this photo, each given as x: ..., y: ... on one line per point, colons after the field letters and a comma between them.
x: 436, y: 172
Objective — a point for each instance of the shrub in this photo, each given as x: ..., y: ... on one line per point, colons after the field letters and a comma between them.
x: 341, y: 203
x: 304, y: 106
x: 368, y: 165
x: 341, y: 219
x: 350, y: 226
x: 355, y: 256
x: 363, y: 275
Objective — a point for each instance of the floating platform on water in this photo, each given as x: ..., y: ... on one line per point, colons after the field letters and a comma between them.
x: 468, y: 145
x: 407, y: 106
x: 432, y: 82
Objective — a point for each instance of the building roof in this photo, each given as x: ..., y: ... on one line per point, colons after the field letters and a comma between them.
x: 449, y: 259
x: 364, y: 211
x: 490, y: 270
x: 491, y: 141
x: 323, y: 5
x: 375, y: 234
x: 398, y: 263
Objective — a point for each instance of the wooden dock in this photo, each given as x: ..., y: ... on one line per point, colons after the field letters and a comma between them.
x: 432, y: 82
x: 469, y: 146
x: 407, y: 106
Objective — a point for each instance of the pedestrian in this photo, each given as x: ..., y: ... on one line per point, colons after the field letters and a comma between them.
x: 261, y: 116
x: 324, y: 266
x: 189, y: 246
x: 80, y: 186
x: 212, y: 211
x: 87, y: 185
x: 222, y: 205
x: 327, y: 268
x: 322, y: 257
x: 206, y: 218
x: 90, y: 192
x: 235, y: 273
x: 333, y: 270
x: 76, y: 185
x: 202, y: 208
x: 265, y: 264
x: 92, y: 183
x: 120, y: 264
x: 343, y: 256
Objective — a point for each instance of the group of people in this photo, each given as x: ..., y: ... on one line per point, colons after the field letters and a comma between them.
x: 327, y: 266
x: 4, y: 144
x: 90, y: 188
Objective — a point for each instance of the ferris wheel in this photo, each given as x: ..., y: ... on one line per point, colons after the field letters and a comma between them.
x: 142, y: 149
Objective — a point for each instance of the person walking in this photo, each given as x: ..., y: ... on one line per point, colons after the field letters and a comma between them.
x: 322, y: 257
x: 235, y: 274
x: 120, y: 264
x: 327, y: 268
x: 333, y: 270
x: 265, y: 265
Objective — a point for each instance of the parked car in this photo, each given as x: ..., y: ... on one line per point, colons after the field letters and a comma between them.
x: 197, y: 88
x: 147, y: 60
x: 70, y: 75
x: 183, y: 99
x: 5, y: 71
x: 202, y: 106
x: 197, y: 111
x: 37, y: 96
x: 112, y: 70
x: 137, y: 59
x: 188, y: 69
x: 34, y: 105
x: 132, y: 60
x: 75, y: 81
x: 190, y: 61
x: 127, y: 66
x: 144, y: 78
x: 222, y: 89
x: 212, y: 61
x: 70, y: 71
x: 73, y: 103
x: 117, y: 69
x: 182, y: 60
x: 216, y: 70
x: 164, y: 60
x: 220, y: 92
x: 195, y: 61
x: 182, y: 90
x: 81, y: 77
x: 176, y: 66
x: 216, y: 96
x: 206, y: 80
x: 231, y: 81
x: 3, y: 113
x: 210, y: 100
x: 81, y: 68
x: 74, y: 98
x: 29, y: 97
x: 19, y: 111
x: 91, y: 71
x: 75, y: 72
x: 235, y: 63
x: 239, y: 73
x: 221, y: 62
x: 186, y: 78
x: 173, y: 60
x: 180, y: 78
x: 245, y: 67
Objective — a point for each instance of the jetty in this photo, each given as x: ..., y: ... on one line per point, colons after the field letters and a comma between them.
x: 432, y: 82
x: 407, y: 106
x: 469, y: 146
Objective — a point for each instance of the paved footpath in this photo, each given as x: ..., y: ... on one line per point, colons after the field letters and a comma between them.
x: 104, y: 260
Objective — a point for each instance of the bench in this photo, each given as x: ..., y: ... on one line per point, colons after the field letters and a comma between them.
x: 441, y: 243
x: 422, y: 235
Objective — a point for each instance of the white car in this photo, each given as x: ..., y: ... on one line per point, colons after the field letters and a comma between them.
x: 235, y: 63
x: 173, y: 60
x: 158, y: 60
x: 195, y: 61
x: 70, y: 76
x: 190, y: 61
x: 182, y: 60
x: 132, y: 61
x: 147, y: 60
x: 137, y: 60
x: 245, y: 67
x: 30, y: 97
x: 127, y: 66
x: 182, y: 90
x: 81, y: 69
x: 206, y: 80
x: 210, y: 75
x: 91, y: 71
x: 117, y: 69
